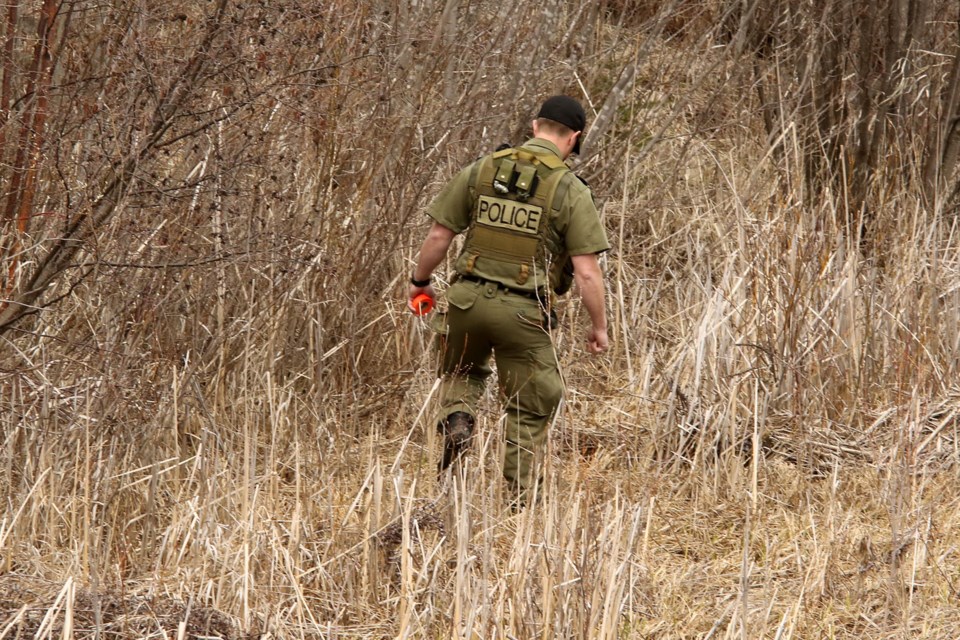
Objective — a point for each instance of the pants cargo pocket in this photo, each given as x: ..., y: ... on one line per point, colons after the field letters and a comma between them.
x: 545, y: 385
x: 462, y: 295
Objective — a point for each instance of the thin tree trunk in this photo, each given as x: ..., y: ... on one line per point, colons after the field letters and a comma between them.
x: 893, y: 53
x: 8, y: 48
x: 27, y: 164
x: 861, y: 152
x: 943, y: 140
x: 45, y: 32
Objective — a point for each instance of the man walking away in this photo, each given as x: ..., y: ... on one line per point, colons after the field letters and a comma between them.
x: 532, y: 229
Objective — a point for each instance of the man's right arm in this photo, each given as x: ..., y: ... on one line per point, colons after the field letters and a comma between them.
x: 433, y: 250
x: 432, y: 253
x: 589, y: 279
x: 450, y: 212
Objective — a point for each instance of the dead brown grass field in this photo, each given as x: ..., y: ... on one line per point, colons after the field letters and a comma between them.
x: 224, y: 429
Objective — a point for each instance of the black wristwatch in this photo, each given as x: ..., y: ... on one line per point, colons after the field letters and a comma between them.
x: 419, y: 283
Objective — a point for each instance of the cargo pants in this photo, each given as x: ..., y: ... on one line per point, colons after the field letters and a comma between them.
x: 484, y: 319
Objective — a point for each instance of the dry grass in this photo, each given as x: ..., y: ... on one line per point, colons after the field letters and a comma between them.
x: 225, y: 429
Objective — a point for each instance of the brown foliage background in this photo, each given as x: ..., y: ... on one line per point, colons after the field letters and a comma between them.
x: 208, y: 379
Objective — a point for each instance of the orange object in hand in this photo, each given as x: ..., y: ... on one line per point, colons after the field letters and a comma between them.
x: 422, y: 304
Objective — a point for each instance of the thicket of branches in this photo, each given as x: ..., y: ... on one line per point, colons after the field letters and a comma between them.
x: 209, y: 212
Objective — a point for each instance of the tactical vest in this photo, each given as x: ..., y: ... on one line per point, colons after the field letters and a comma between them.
x: 513, y: 237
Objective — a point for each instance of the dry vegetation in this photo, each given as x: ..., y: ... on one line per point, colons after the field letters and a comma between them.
x: 216, y: 412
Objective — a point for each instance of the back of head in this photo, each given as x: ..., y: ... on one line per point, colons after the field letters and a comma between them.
x: 566, y: 112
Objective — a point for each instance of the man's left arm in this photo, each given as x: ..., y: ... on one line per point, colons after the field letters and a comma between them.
x: 586, y: 240
x: 589, y: 278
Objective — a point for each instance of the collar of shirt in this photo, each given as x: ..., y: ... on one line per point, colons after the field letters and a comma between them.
x: 546, y: 145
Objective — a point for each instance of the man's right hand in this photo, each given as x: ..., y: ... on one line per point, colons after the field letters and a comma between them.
x: 597, y: 341
x: 413, y: 292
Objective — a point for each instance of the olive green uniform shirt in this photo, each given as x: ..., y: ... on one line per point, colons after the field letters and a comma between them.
x: 578, y: 224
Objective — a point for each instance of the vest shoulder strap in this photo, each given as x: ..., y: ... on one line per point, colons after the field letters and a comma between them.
x: 484, y: 171
x: 476, y: 176
x: 551, y: 161
x: 559, y: 193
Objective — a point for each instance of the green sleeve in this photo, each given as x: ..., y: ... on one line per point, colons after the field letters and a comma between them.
x: 585, y: 233
x: 453, y: 205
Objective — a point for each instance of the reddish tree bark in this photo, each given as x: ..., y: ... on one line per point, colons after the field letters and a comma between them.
x: 30, y: 148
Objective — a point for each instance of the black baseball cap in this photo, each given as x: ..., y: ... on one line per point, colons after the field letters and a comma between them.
x: 566, y: 111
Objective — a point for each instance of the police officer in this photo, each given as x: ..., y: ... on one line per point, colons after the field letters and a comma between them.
x: 529, y: 221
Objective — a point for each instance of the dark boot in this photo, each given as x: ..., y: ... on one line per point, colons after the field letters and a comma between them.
x: 456, y: 428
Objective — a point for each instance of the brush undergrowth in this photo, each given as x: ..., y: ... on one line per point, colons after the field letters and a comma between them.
x: 225, y: 429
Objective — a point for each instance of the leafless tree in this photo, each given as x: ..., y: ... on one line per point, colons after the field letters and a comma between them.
x: 869, y: 88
